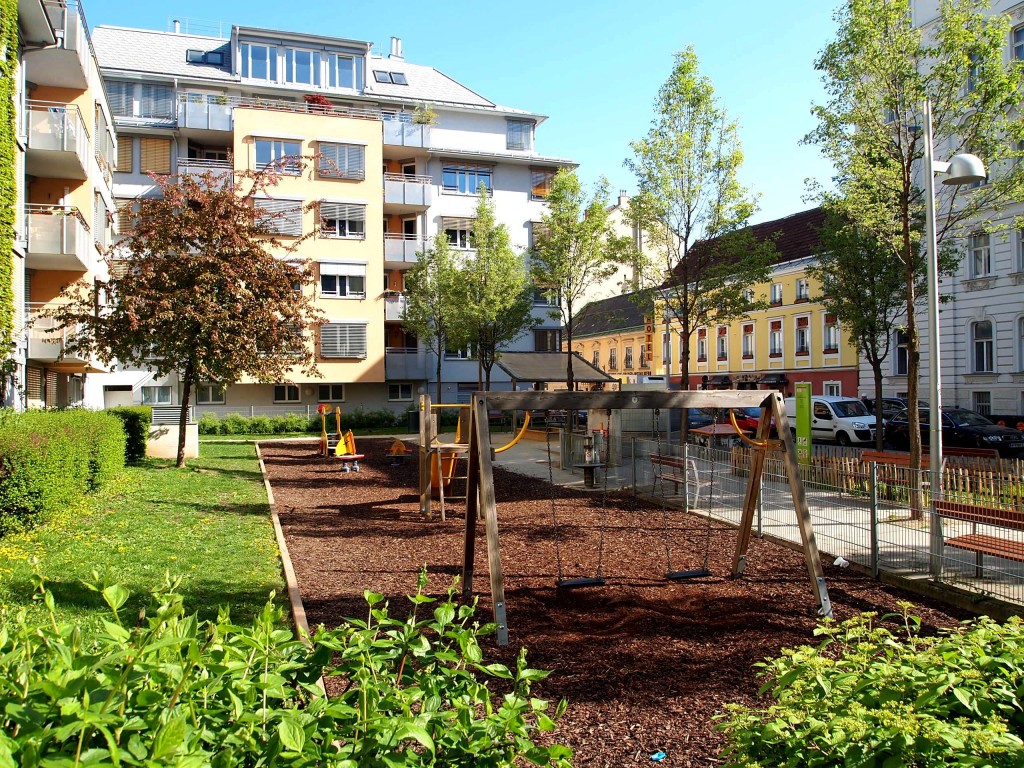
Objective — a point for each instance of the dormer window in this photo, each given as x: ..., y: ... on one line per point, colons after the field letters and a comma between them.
x: 396, y: 78
x: 399, y: 78
x: 195, y: 56
x: 381, y: 76
x: 519, y: 134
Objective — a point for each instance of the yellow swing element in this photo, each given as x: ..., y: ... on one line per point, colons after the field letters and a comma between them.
x: 343, y: 446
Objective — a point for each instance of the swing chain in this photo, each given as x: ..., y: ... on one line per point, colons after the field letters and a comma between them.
x: 554, y: 515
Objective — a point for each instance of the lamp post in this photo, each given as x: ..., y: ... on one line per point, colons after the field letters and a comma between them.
x: 961, y: 169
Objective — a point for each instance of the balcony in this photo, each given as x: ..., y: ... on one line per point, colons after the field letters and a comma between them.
x: 67, y: 64
x: 58, y: 141
x: 406, y: 194
x: 58, y: 239
x: 403, y: 133
x: 47, y: 340
x: 402, y: 249
x: 215, y: 112
x: 405, y: 363
x: 394, y: 306
x: 220, y: 171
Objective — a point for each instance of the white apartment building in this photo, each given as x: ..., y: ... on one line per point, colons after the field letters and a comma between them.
x: 982, y: 326
x: 185, y: 103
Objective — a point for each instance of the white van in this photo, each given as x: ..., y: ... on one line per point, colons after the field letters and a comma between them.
x: 844, y: 420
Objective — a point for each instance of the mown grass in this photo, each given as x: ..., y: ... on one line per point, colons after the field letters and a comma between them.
x: 207, y: 524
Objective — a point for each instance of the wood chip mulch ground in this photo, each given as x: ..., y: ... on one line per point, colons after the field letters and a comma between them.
x: 644, y: 663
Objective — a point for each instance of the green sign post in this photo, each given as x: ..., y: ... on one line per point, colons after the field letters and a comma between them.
x: 803, y: 423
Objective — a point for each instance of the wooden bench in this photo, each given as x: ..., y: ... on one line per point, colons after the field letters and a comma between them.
x: 899, y: 459
x: 980, y: 543
x: 677, y: 468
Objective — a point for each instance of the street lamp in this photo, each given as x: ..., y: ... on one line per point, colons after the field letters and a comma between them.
x: 961, y: 169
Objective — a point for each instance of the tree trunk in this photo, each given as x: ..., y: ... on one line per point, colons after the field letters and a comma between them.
x: 190, y: 372
x: 876, y: 369
x: 684, y: 373
x: 440, y: 352
x: 913, y: 398
x: 570, y: 382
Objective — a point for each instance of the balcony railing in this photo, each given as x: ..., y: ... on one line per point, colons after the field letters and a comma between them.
x: 400, y: 131
x: 401, y: 189
x: 58, y: 141
x: 221, y: 170
x: 69, y: 23
x: 214, y: 112
x: 405, y: 363
x: 394, y: 306
x: 403, y: 248
x: 58, y: 238
x: 46, y: 338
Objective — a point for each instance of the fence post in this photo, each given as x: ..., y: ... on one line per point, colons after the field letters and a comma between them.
x: 873, y: 483
x: 252, y: 411
x: 760, y: 506
x: 632, y: 453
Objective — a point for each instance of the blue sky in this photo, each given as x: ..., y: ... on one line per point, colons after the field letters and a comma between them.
x: 593, y: 66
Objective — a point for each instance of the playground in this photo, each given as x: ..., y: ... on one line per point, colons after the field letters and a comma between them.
x: 645, y: 663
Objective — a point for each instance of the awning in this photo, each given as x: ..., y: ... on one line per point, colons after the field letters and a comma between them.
x: 774, y: 380
x: 549, y: 367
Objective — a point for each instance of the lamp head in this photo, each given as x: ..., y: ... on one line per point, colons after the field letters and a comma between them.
x: 965, y: 169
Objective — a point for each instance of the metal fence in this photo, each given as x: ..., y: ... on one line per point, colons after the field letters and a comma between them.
x: 872, y: 514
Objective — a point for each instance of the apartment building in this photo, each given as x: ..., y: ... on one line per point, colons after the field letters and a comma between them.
x: 401, y: 150
x: 982, y: 320
x: 64, y: 206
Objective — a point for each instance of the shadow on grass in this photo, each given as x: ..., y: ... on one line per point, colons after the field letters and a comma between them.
x: 261, y: 508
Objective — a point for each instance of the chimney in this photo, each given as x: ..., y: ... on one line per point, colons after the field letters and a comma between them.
x: 623, y: 198
x: 396, y: 48
x: 177, y: 26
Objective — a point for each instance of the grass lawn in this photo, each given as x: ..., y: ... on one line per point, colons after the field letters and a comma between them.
x: 208, y: 524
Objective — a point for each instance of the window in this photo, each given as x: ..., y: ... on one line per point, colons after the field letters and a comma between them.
x: 154, y: 155
x: 595, y: 358
x: 343, y: 340
x: 330, y: 393
x: 643, y: 356
x: 125, y: 213
x: 157, y: 101
x: 258, y: 62
x: 540, y: 182
x: 831, y: 334
x: 302, y: 66
x: 821, y: 411
x: 99, y: 221
x: 1020, y: 250
x: 156, y: 395
x: 342, y: 220
x: 980, y: 255
x: 209, y: 394
x: 981, y: 402
x: 459, y: 232
x: 340, y: 281
x: 124, y: 154
x: 901, y: 361
x: 547, y: 340
x: 465, y: 178
x: 722, y: 346
x: 833, y: 389
x: 344, y: 71
x: 1020, y: 345
x: 972, y: 73
x: 381, y: 76
x: 280, y: 217
x: 748, y: 295
x: 776, y: 293
x: 666, y: 348
x: 1017, y: 41
x: 192, y: 56
x: 399, y: 391
x: 287, y: 393
x: 341, y: 161
x: 775, y: 339
x: 519, y: 134
x: 702, y: 345
x: 613, y: 359
x: 748, y: 341
x: 274, y: 151
x: 461, y: 353
x: 803, y: 292
x: 803, y: 336
x: 981, y: 341
x: 628, y: 360
x: 395, y: 78
x: 121, y: 98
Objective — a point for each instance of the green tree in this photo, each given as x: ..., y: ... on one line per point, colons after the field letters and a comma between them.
x: 497, y: 300
x: 432, y: 299
x: 869, y: 310
x: 694, y: 209
x: 195, y: 289
x: 576, y: 249
x: 878, y: 72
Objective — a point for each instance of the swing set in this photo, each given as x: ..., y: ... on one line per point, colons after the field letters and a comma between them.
x: 481, y: 501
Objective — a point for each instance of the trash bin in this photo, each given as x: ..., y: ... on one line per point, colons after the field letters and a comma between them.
x: 414, y: 421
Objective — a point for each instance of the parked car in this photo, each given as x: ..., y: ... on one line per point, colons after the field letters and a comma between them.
x: 844, y: 420
x: 890, y: 406
x: 961, y: 428
x: 747, y: 419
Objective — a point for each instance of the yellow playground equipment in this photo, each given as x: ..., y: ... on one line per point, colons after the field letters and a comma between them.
x: 339, y: 446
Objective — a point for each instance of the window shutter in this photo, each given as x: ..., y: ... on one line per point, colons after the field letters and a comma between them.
x: 343, y: 211
x: 343, y: 340
x: 343, y: 161
x: 125, y: 214
x: 281, y: 217
x: 99, y: 221
x: 347, y: 270
x: 155, y: 155
x: 119, y: 97
x: 124, y: 154
x: 157, y: 100
x: 448, y: 222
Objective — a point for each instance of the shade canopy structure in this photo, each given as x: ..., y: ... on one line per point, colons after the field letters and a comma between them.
x: 550, y: 367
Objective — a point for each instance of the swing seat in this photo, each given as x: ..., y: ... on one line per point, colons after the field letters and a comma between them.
x: 577, y: 583
x: 698, y: 573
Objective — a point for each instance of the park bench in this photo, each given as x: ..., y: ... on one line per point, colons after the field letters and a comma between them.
x: 680, y: 471
x: 981, y: 543
x: 899, y: 459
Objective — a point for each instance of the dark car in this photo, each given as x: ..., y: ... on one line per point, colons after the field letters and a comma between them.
x: 960, y: 428
x: 891, y: 406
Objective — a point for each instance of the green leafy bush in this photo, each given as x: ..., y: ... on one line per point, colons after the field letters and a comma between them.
x: 871, y: 697
x: 137, y: 420
x: 237, y: 424
x: 209, y: 424
x: 51, y: 459
x: 176, y: 691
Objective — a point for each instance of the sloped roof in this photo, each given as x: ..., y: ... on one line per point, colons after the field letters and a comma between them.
x: 146, y: 50
x: 618, y: 313
x: 548, y: 366
x: 425, y: 84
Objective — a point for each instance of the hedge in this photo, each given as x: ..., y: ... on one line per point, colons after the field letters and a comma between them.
x: 237, y: 424
x: 136, y: 421
x: 50, y: 459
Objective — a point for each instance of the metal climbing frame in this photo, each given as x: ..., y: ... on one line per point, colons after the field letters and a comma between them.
x: 480, y: 485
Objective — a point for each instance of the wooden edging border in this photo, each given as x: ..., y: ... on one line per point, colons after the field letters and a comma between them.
x: 298, y: 610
